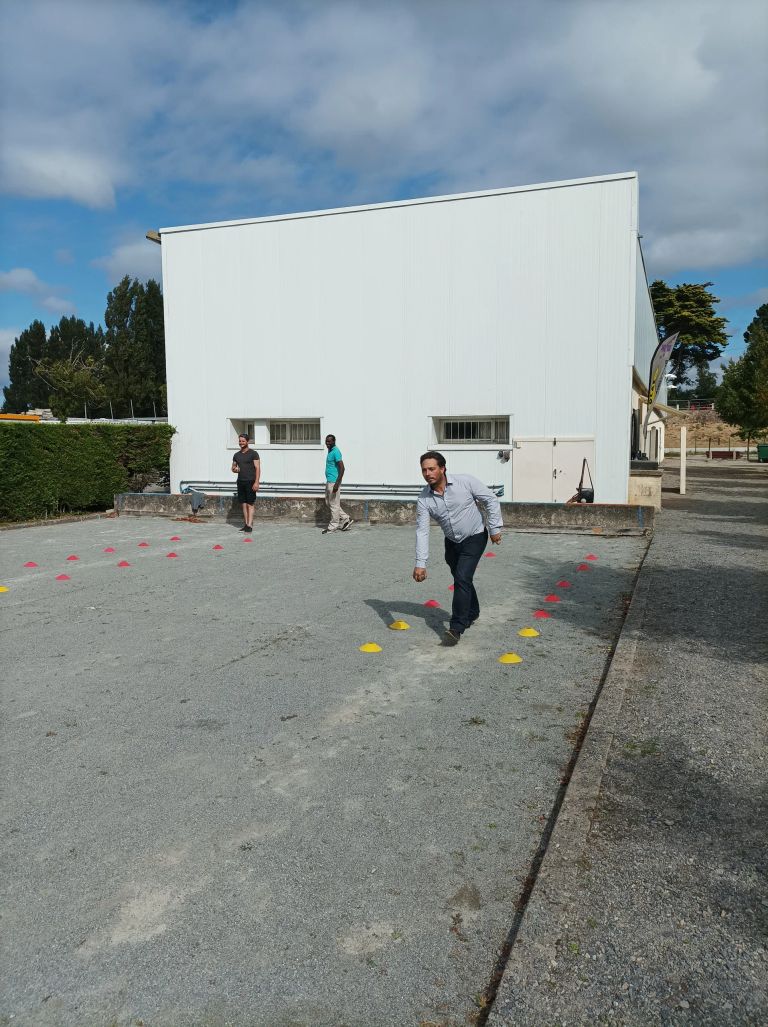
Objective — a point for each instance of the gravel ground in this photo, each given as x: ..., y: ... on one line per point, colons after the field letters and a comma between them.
x: 219, y: 811
x: 654, y: 910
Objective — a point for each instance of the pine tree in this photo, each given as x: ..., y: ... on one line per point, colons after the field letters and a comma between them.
x: 690, y: 310
x: 742, y: 398
x: 25, y: 390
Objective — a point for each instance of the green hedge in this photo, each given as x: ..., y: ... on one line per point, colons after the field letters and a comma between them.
x: 49, y: 469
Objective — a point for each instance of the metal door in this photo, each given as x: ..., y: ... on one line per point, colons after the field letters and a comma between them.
x: 568, y: 456
x: 532, y: 471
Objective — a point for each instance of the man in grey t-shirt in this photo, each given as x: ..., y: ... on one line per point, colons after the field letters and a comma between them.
x: 247, y: 466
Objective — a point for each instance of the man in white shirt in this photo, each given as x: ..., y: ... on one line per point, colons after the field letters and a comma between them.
x: 452, y: 500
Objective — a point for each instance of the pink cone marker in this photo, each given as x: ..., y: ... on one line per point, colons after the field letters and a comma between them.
x: 109, y: 549
x: 73, y: 557
x: 542, y: 615
x: 63, y: 577
x: 489, y: 555
x: 590, y: 556
x: 175, y: 538
x: 552, y: 598
x: 123, y: 563
x: 30, y: 564
x: 583, y: 567
x: 563, y: 584
x: 172, y: 556
x: 143, y: 545
x: 218, y: 547
x: 431, y: 602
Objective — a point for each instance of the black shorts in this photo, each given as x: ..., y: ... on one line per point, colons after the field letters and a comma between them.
x: 245, y: 491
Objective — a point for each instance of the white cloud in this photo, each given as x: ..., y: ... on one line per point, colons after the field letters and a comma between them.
x: 7, y: 338
x: 136, y: 259
x: 43, y: 173
x: 291, y: 105
x: 23, y: 280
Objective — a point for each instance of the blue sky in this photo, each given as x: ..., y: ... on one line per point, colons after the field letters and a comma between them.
x: 123, y: 115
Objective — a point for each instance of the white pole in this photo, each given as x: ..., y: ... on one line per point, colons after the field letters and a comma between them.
x: 683, y: 454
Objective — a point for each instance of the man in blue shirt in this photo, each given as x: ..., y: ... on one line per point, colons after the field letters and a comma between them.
x: 334, y: 472
x: 452, y: 500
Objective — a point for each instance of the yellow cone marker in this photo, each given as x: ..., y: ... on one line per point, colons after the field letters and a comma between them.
x: 399, y: 625
x: 370, y: 647
x: 528, y: 633
x: 510, y: 658
x: 3, y: 588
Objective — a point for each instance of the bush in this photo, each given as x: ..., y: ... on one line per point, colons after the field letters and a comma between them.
x: 48, y: 469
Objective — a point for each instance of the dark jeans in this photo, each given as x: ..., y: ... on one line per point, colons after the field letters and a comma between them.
x: 463, y: 558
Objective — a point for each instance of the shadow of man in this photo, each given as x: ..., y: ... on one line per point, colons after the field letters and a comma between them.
x: 435, y: 618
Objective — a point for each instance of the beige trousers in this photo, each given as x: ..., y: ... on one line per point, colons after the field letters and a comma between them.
x: 333, y: 502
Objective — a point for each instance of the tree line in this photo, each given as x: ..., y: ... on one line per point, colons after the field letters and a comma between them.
x: 741, y: 398
x: 79, y: 369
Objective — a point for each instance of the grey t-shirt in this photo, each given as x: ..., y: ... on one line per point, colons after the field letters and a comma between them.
x: 246, y: 470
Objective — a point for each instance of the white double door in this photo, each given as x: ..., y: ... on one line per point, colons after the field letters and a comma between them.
x: 549, y: 470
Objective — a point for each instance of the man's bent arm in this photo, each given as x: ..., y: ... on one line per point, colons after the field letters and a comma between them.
x: 491, y: 503
x: 340, y: 468
x: 257, y: 469
x: 422, y: 533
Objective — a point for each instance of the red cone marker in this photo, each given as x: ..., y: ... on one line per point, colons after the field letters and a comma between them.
x: 563, y: 584
x: 431, y: 602
x: 73, y: 557
x: 63, y: 577
x: 172, y: 556
x: 583, y: 567
x: 218, y: 547
x: 123, y: 563
x: 30, y: 564
x: 143, y: 545
x: 451, y: 588
x: 247, y: 540
x: 552, y: 599
x: 542, y: 615
x: 175, y: 538
x: 109, y: 549
x: 590, y: 556
x: 490, y: 554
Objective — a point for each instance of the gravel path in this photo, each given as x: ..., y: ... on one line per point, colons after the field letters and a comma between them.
x: 651, y: 906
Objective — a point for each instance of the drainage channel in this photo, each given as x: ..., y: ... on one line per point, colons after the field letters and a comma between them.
x: 488, y: 995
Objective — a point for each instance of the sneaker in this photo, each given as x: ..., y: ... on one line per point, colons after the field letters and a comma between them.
x: 348, y: 525
x: 450, y: 638
x: 328, y: 531
x: 244, y: 528
x: 248, y: 528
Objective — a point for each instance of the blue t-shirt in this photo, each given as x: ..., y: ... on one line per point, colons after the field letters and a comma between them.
x: 332, y: 462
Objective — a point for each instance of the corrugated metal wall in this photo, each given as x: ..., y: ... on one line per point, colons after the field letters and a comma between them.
x: 377, y: 320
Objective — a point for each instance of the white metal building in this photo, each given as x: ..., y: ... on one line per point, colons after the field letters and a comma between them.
x: 511, y: 329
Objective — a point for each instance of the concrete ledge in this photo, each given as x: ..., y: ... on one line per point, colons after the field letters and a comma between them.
x: 597, y: 519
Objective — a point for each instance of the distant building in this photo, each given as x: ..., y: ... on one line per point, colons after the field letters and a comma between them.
x: 511, y: 329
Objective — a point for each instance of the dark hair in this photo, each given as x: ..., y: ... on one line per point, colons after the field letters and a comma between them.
x: 329, y: 436
x: 432, y: 454
x: 244, y: 435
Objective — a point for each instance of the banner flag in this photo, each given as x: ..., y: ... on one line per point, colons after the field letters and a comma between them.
x: 659, y: 362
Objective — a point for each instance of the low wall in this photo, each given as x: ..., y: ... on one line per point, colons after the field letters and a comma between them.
x: 592, y: 518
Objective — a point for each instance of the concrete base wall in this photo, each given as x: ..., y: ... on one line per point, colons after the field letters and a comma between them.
x: 645, y: 488
x: 598, y: 518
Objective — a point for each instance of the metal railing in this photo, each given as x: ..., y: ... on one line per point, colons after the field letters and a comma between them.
x: 296, y: 488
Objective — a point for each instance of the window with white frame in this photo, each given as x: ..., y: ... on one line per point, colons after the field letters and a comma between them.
x: 294, y: 433
x: 472, y: 430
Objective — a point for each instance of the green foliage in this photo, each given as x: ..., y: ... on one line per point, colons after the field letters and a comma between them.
x: 47, y: 469
x: 75, y: 383
x: 135, y: 354
x: 690, y: 310
x: 742, y: 399
x: 128, y: 360
x: 24, y: 389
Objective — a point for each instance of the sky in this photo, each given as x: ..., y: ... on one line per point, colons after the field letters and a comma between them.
x: 120, y: 116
